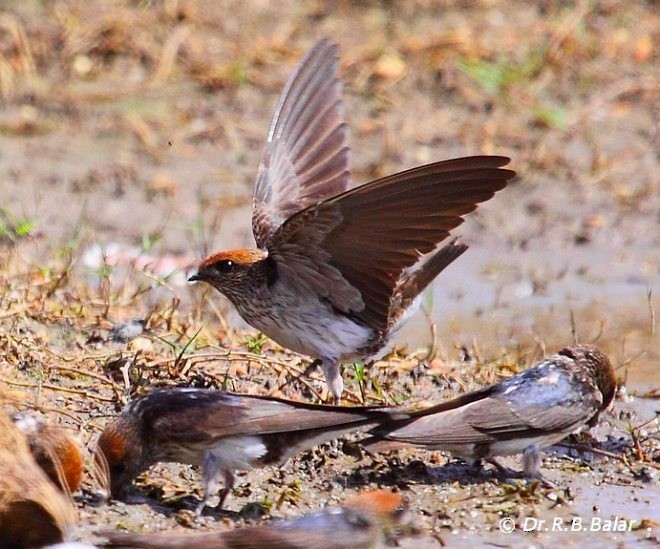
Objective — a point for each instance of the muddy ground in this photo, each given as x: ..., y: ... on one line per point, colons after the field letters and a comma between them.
x: 130, y: 133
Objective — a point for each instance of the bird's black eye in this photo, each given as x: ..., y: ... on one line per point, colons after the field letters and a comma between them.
x: 224, y: 266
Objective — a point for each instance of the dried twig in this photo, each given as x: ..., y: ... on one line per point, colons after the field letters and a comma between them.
x: 50, y: 387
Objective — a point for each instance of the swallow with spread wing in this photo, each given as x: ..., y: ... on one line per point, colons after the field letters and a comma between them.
x: 338, y: 270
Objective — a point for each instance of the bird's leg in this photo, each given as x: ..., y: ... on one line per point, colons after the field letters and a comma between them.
x: 501, y: 469
x: 210, y: 480
x: 332, y: 371
x: 229, y: 486
x: 477, y: 465
x: 531, y: 461
x: 531, y: 465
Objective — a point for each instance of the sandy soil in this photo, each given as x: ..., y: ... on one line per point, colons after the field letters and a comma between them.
x: 129, y: 139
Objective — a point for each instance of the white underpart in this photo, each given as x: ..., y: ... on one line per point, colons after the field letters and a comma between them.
x: 239, y: 452
x: 302, y: 323
x: 530, y: 449
x: 517, y: 446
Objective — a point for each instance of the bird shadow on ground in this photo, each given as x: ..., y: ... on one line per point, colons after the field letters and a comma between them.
x: 394, y: 472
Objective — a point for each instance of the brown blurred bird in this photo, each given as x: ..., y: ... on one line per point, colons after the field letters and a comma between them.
x: 336, y: 272
x: 220, y: 432
x: 522, y: 414
x: 357, y: 524
x: 33, y: 513
x: 54, y: 450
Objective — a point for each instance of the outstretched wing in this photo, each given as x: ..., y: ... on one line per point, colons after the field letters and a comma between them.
x: 354, y: 248
x: 306, y: 156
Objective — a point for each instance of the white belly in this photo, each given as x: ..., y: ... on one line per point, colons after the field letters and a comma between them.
x: 304, y: 330
x: 501, y: 447
x: 239, y: 452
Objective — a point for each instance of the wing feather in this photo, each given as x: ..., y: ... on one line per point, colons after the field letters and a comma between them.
x: 354, y: 248
x: 306, y: 158
x: 543, y: 400
x: 201, y: 415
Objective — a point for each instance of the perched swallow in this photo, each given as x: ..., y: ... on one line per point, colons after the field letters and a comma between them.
x: 220, y: 432
x: 54, y: 450
x: 522, y: 414
x: 336, y: 272
x: 357, y: 524
x: 33, y: 512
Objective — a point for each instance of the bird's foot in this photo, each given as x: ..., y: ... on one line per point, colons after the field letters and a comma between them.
x: 199, y: 509
x: 223, y: 496
x: 544, y: 481
x: 333, y: 380
x: 509, y: 475
x: 501, y: 469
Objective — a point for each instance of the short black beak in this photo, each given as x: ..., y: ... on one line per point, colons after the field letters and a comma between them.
x: 194, y: 278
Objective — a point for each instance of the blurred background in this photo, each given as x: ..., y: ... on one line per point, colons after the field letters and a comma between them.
x: 130, y: 133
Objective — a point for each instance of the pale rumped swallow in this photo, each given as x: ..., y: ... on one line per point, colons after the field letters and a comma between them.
x: 336, y: 272
x: 220, y: 432
x: 359, y: 523
x: 54, y: 450
x: 522, y: 414
x: 33, y: 512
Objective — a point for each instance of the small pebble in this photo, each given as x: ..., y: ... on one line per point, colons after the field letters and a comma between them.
x: 126, y: 331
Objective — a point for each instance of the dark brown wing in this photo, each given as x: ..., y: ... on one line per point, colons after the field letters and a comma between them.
x: 306, y: 156
x: 352, y: 249
x: 195, y: 415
